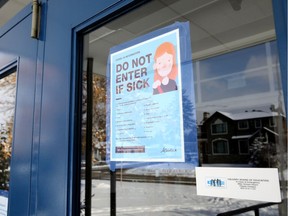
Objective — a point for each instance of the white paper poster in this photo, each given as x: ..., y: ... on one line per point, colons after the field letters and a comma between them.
x: 260, y: 184
x: 146, y: 99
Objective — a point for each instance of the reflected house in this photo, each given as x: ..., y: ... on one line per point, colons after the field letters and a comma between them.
x: 239, y: 138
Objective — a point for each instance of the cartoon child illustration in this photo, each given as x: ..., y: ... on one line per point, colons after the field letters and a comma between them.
x: 165, y: 69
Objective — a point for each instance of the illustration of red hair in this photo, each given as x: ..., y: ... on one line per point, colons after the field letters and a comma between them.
x: 163, y: 48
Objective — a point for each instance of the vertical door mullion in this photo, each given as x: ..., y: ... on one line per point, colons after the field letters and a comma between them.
x: 88, y: 170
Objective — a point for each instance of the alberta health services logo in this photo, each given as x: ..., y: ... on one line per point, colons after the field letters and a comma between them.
x: 216, y: 182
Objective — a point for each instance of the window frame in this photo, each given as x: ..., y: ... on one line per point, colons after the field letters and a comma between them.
x: 220, y: 133
x: 259, y: 124
x: 245, y: 123
x: 226, y: 143
x: 272, y: 122
x: 241, y: 142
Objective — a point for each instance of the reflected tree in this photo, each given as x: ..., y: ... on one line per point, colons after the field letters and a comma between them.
x: 188, y: 112
x: 99, y: 117
x: 5, y: 155
x: 263, y: 152
x: 7, y: 106
x: 190, y: 129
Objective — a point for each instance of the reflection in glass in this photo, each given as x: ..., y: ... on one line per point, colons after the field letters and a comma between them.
x: 7, y: 105
x: 220, y: 146
x: 239, y: 61
x: 235, y: 77
x: 220, y: 80
x: 97, y: 140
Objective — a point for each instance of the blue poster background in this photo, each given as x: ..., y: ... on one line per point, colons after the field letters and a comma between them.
x: 144, y: 127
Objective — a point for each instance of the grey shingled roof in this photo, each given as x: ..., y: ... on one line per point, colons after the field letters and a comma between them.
x: 248, y: 115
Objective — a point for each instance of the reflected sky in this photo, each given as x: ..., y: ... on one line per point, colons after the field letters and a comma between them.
x: 249, y: 76
x: 233, y: 62
x: 240, y: 85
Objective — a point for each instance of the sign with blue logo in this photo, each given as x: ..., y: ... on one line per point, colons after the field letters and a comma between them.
x: 216, y: 182
x: 259, y: 184
x: 146, y: 98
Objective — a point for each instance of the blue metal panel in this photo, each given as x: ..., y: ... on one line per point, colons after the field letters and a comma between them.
x: 15, y: 20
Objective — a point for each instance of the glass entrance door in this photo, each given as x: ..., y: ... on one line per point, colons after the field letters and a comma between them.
x: 224, y: 108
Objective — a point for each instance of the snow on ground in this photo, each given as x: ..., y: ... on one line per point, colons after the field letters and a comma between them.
x: 159, y: 199
x: 155, y: 199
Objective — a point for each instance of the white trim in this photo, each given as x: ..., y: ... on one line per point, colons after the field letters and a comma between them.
x: 273, y: 132
x: 242, y: 136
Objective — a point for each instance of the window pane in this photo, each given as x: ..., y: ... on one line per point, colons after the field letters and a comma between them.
x: 219, y: 128
x: 243, y: 147
x: 239, y: 61
x: 220, y: 147
x: 243, y: 125
x: 240, y: 84
x: 7, y: 106
x: 235, y: 79
x: 258, y: 123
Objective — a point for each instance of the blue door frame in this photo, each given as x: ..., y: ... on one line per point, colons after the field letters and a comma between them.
x: 44, y: 168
